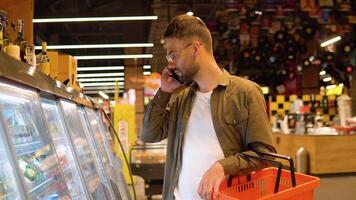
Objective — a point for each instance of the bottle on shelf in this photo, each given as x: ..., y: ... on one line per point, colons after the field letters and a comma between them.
x: 1, y: 36
x: 20, y: 40
x: 4, y: 39
x: 43, y: 60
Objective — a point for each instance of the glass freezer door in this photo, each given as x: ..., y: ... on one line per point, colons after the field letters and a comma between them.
x: 82, y: 149
x: 35, y: 154
x: 9, y: 187
x: 99, y: 158
x: 63, y: 149
x: 114, y: 160
x: 99, y: 141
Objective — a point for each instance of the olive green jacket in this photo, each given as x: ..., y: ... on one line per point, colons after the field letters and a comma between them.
x: 239, y: 118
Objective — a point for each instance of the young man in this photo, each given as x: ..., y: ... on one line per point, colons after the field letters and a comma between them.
x: 210, y: 122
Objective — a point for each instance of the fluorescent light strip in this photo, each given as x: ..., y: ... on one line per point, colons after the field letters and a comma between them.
x: 101, y: 57
x: 100, y: 79
x: 100, y: 84
x: 105, y: 96
x: 147, y: 67
x: 100, y: 75
x: 331, y: 41
x: 96, y: 46
x: 93, y: 19
x: 98, y: 68
x: 146, y: 73
x: 106, y: 91
x: 112, y: 87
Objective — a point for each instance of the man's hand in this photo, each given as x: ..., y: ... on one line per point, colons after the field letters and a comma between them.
x: 210, y: 182
x: 168, y: 84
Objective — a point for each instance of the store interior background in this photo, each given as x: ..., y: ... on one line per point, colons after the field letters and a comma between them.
x: 275, y: 43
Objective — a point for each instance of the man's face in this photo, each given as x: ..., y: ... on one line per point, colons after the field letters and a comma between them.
x: 182, y: 58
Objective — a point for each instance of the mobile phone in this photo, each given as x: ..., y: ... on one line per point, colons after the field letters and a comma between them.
x: 176, y: 77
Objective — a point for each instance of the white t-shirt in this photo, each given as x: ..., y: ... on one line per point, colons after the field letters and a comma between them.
x: 201, y: 148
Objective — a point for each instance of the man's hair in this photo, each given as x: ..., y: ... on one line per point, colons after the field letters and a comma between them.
x: 186, y: 27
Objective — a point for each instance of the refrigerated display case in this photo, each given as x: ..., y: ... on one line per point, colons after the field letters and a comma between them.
x: 82, y: 149
x: 148, y: 161
x: 116, y: 163
x: 44, y: 150
x: 38, y: 163
x: 101, y: 159
x: 63, y: 149
x: 10, y: 187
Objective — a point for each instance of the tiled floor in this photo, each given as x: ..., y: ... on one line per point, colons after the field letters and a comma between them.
x: 334, y: 187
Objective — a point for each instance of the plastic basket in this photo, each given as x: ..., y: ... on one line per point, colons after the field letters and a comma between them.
x: 262, y: 185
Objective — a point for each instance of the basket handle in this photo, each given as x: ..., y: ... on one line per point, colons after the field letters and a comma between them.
x: 279, y: 172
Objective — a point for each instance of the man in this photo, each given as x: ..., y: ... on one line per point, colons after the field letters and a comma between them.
x: 207, y: 124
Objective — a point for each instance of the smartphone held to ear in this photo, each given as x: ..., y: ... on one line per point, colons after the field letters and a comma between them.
x: 176, y: 77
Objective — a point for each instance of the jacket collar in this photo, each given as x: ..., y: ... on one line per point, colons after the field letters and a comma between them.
x: 223, y: 81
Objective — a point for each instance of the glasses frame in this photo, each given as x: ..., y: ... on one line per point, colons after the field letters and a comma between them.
x: 173, y: 55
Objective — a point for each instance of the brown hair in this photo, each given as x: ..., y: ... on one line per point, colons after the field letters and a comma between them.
x: 186, y: 27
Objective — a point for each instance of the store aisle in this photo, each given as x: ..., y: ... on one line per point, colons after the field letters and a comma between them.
x: 340, y: 187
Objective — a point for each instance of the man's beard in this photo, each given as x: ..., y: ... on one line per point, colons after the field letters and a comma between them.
x: 189, y: 73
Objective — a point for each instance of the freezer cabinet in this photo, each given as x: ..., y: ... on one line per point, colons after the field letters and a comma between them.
x: 27, y: 132
x: 82, y: 150
x: 62, y: 144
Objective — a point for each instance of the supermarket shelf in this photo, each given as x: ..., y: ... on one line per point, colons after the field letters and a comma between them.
x: 23, y: 149
x: 41, y: 184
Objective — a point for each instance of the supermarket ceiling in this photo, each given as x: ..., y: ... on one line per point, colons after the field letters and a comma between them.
x: 98, y: 32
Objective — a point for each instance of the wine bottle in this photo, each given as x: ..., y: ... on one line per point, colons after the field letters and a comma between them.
x: 1, y: 36
x: 4, y: 39
x: 20, y: 40
x: 43, y: 60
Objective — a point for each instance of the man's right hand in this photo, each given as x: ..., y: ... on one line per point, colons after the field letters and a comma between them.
x: 168, y: 83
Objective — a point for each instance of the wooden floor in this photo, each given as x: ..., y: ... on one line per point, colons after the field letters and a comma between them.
x: 335, y: 187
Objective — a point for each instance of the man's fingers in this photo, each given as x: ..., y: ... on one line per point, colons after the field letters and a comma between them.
x: 216, y: 191
x: 200, y: 190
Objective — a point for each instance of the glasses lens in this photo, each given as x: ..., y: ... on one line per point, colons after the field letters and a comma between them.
x: 169, y: 59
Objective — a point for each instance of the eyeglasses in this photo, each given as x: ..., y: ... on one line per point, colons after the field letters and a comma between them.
x: 173, y: 55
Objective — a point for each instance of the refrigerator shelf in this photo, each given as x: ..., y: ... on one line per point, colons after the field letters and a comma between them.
x: 27, y: 148
x: 41, y: 184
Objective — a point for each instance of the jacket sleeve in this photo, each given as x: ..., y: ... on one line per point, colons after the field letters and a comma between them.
x: 156, y: 117
x: 257, y: 137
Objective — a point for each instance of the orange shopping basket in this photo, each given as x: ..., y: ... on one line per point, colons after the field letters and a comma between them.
x: 270, y: 183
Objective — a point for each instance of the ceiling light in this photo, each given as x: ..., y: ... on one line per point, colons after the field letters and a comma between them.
x: 105, y: 87
x: 322, y: 73
x: 100, y: 84
x: 327, y: 79
x: 100, y: 79
x: 106, y: 91
x: 147, y: 67
x: 330, y: 41
x: 93, y: 19
x: 97, y: 46
x: 146, y: 73
x: 101, y: 68
x: 100, y: 75
x: 113, y: 57
x: 105, y: 96
x: 190, y: 13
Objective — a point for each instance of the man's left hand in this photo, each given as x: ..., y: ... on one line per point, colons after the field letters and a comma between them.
x: 210, y: 182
